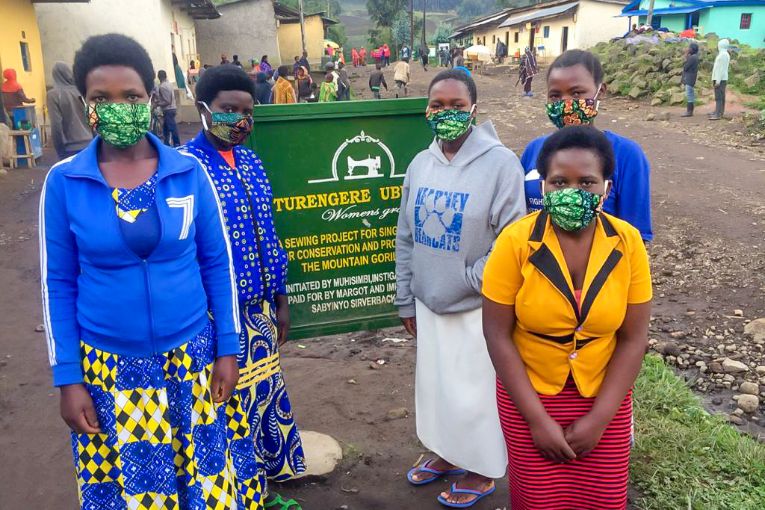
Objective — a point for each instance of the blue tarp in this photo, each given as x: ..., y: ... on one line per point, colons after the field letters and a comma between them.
x: 662, y: 12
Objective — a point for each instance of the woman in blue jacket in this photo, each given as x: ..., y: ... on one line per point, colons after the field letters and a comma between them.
x: 225, y: 100
x: 574, y: 88
x: 133, y: 252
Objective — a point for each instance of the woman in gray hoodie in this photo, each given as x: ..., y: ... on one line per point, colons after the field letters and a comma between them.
x: 458, y: 195
x: 68, y: 125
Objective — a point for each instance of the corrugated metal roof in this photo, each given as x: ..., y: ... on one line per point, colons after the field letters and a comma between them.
x: 538, y: 14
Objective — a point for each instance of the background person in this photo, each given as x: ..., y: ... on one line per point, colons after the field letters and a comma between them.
x: 265, y: 66
x: 304, y: 85
x: 343, y: 83
x: 68, y: 125
x: 283, y: 91
x: 527, y: 70
x: 225, y: 101
x: 328, y: 91
x: 424, y: 55
x: 13, y: 93
x: 304, y: 61
x: 402, y: 75
x: 262, y: 89
x: 575, y: 87
x: 690, y: 73
x: 129, y: 268
x: 376, y: 81
x: 720, y: 78
x: 165, y: 99
x: 567, y: 344
x: 458, y: 195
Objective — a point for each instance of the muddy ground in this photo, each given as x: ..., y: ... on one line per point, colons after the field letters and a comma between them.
x: 708, y: 262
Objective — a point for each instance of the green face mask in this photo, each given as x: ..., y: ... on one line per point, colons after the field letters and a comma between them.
x: 121, y: 125
x: 448, y: 125
x: 572, y: 209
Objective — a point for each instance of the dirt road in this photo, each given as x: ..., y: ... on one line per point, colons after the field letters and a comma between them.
x: 708, y: 256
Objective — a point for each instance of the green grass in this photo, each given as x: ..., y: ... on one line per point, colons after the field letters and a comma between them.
x: 685, y: 458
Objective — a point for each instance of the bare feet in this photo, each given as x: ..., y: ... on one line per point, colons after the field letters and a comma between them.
x: 470, y: 481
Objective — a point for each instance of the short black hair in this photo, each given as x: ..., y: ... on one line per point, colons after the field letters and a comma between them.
x: 577, y: 137
x: 161, y: 75
x: 223, y: 77
x: 112, y: 50
x: 456, y: 74
x: 694, y: 47
x: 284, y: 71
x: 572, y: 58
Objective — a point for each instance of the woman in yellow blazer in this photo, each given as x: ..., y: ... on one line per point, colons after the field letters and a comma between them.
x: 567, y: 294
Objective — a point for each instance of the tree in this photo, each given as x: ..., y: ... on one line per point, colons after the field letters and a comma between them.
x: 442, y: 34
x: 400, y: 29
x: 314, y: 6
x: 382, y: 12
x: 336, y: 33
x: 472, y: 8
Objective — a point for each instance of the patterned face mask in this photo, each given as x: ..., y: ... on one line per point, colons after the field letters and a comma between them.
x: 572, y: 209
x: 448, y: 125
x: 573, y: 112
x: 121, y: 125
x: 230, y: 128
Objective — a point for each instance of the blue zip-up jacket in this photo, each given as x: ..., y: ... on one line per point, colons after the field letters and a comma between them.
x: 630, y: 197
x: 97, y: 290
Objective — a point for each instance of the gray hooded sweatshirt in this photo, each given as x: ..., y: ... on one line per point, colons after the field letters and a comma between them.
x: 68, y: 125
x: 451, y: 214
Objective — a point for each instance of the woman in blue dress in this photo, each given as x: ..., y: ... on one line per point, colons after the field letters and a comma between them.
x: 133, y: 252
x: 225, y: 99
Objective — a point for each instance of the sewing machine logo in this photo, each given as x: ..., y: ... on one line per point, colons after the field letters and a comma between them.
x: 361, y: 157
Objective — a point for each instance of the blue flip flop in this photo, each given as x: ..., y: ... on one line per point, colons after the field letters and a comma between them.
x: 423, y: 468
x: 455, y: 490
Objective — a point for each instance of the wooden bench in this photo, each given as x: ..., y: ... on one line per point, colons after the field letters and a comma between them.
x: 26, y: 137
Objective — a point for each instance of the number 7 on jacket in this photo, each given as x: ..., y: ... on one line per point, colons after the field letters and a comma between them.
x: 187, y: 204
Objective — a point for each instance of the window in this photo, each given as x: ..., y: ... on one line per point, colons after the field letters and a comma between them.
x: 26, y: 60
x: 493, y: 39
x: 656, y: 22
x: 517, y: 36
x: 746, y: 21
x: 546, y: 32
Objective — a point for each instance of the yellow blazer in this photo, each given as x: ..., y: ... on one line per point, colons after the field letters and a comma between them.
x: 553, y: 335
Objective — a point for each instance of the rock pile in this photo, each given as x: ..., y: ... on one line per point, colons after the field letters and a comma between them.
x: 653, y: 69
x: 720, y: 352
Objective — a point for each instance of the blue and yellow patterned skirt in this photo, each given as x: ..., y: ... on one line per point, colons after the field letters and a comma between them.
x: 164, y: 444
x: 264, y: 396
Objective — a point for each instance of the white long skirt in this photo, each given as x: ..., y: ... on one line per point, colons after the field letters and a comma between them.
x: 455, y: 393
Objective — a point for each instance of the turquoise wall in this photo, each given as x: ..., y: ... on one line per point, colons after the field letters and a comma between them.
x: 726, y: 22
x: 673, y: 22
x: 663, y: 4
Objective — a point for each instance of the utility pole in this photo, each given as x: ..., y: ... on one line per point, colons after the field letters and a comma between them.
x: 411, y: 25
x: 649, y: 19
x: 424, y: 2
x: 302, y: 24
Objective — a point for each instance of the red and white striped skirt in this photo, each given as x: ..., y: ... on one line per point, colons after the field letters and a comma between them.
x: 598, y: 481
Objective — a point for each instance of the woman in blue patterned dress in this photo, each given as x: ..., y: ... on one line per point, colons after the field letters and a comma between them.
x: 225, y: 96
x: 133, y: 250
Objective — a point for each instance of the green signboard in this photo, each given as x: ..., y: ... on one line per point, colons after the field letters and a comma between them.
x: 336, y: 170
